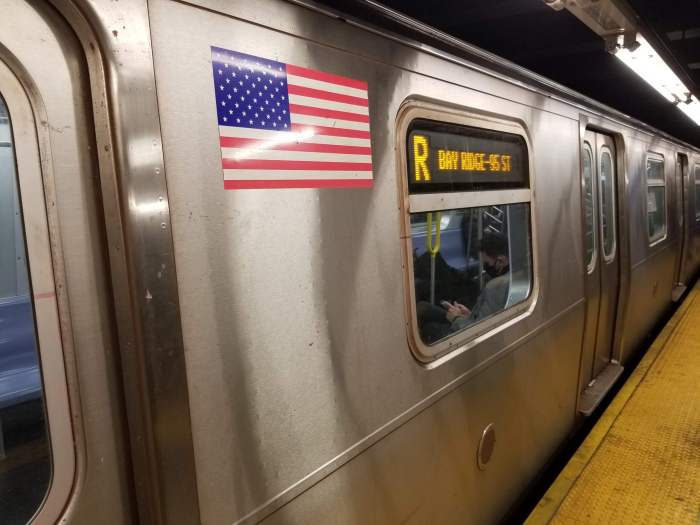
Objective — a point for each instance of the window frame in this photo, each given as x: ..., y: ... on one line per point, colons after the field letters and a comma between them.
x: 463, y: 340
x: 655, y: 157
x: 34, y: 182
x: 696, y: 183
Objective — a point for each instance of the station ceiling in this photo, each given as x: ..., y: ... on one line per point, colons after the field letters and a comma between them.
x: 555, y: 44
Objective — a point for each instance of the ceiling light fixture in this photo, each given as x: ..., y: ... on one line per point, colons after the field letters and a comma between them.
x: 646, y: 62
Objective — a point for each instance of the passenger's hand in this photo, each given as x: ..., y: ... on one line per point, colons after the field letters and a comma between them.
x: 457, y: 310
x: 465, y: 311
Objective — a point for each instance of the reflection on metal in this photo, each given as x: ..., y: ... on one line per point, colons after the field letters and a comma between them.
x: 487, y: 444
x: 135, y: 202
x: 154, y: 207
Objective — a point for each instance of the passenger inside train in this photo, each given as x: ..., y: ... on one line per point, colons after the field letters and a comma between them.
x: 493, y: 250
x: 463, y: 274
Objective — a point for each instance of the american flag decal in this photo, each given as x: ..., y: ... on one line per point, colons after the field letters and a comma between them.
x: 285, y: 126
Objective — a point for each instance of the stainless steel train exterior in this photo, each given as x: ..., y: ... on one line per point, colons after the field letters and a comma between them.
x: 216, y: 356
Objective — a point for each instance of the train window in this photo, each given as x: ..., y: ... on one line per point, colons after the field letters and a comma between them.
x: 656, y: 198
x: 469, y: 236
x: 697, y: 191
x: 468, y: 264
x: 607, y: 202
x: 24, y: 449
x: 590, y: 206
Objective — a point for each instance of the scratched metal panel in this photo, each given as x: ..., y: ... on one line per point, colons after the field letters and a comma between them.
x: 652, y: 282
x: 292, y: 300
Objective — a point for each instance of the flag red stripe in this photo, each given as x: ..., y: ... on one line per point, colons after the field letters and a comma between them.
x: 296, y: 183
x: 326, y: 95
x: 325, y: 77
x: 332, y: 132
x: 241, y: 142
x: 328, y: 113
x: 255, y: 164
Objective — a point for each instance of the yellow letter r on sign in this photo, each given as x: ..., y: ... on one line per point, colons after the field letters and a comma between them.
x: 420, y: 158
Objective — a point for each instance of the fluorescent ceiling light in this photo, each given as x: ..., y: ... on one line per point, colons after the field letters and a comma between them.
x: 692, y: 109
x: 648, y: 64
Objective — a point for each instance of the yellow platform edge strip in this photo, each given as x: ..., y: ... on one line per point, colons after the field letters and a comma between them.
x: 548, y: 506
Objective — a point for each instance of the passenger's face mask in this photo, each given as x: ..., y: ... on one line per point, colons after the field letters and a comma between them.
x: 494, y: 266
x: 491, y: 269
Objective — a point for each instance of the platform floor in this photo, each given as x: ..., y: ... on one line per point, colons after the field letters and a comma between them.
x: 641, y: 462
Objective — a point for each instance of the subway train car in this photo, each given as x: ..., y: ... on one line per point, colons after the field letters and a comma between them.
x: 264, y: 262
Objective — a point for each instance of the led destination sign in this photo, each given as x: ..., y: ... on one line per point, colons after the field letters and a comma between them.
x: 446, y: 157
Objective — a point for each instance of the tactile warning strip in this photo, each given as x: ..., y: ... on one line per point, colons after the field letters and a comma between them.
x: 641, y: 462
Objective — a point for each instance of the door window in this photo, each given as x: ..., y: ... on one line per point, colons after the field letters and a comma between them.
x: 607, y: 202
x: 589, y: 206
x: 656, y: 198
x: 25, y: 467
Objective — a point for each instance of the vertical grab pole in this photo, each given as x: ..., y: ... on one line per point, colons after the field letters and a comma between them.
x: 433, y: 249
x: 480, y: 226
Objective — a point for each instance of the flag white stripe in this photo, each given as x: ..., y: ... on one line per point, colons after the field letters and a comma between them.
x: 244, y: 68
x: 294, y: 175
x: 282, y: 137
x: 328, y: 122
x: 295, y: 80
x: 272, y: 154
x: 328, y: 104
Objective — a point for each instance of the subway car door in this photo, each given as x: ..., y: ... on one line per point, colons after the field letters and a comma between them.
x: 602, y: 282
